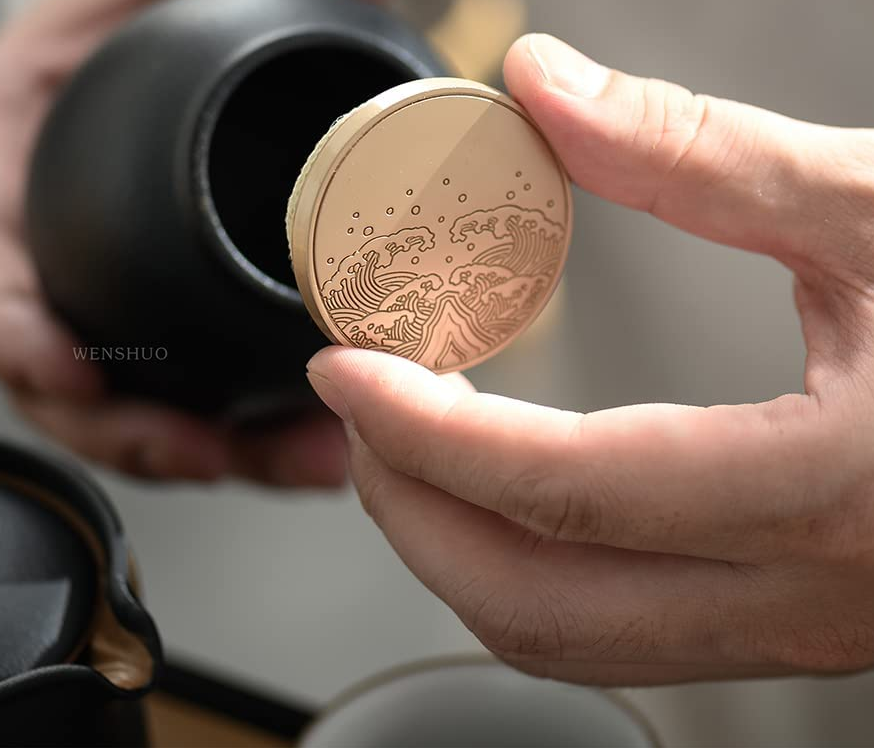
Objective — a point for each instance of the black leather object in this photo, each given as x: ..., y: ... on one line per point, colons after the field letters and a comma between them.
x: 46, y: 699
x: 47, y: 585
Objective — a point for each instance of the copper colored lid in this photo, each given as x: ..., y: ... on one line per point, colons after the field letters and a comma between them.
x: 432, y: 222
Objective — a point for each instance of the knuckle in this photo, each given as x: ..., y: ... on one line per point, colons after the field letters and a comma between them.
x: 507, y: 635
x: 401, y: 449
x: 639, y: 638
x: 552, y: 506
x: 544, y: 624
x: 430, y: 457
x: 844, y: 166
x: 491, y: 614
x: 852, y: 152
x: 514, y: 629
x: 670, y: 122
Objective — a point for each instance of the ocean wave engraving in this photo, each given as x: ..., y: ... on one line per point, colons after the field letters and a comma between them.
x: 382, y: 303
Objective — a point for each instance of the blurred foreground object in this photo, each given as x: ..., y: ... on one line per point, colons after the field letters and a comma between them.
x: 77, y: 649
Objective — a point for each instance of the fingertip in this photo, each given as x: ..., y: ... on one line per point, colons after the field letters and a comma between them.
x: 40, y: 356
x: 543, y: 68
x: 375, y: 390
x: 516, y: 60
x: 346, y: 366
x: 322, y: 358
x: 136, y: 438
x: 561, y: 90
x: 338, y: 361
x: 522, y: 75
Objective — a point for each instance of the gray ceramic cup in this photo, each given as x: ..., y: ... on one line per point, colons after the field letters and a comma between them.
x: 476, y: 702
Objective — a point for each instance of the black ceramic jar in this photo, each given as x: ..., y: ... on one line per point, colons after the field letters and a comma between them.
x: 160, y: 181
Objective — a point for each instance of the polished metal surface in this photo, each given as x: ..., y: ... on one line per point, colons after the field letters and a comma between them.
x: 432, y: 222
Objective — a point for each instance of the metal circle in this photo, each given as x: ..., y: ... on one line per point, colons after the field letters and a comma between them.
x: 436, y: 149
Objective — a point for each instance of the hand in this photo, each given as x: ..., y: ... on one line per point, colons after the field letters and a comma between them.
x: 655, y: 543
x: 65, y: 396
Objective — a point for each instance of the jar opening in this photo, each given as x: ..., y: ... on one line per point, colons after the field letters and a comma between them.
x: 267, y: 127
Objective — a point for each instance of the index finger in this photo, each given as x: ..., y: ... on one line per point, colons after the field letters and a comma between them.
x: 698, y: 481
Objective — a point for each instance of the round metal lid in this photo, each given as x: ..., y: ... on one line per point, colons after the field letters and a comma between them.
x: 433, y: 222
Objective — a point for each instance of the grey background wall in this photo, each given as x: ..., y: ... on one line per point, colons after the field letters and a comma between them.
x: 297, y: 592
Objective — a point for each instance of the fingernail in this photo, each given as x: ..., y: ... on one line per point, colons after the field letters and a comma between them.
x: 331, y: 395
x: 564, y: 67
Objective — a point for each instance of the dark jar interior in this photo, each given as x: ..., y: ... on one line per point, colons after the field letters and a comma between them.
x: 262, y: 133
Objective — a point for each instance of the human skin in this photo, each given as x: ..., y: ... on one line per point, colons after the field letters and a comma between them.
x: 67, y: 397
x: 653, y: 543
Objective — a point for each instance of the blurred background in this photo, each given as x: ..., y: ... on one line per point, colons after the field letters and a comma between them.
x: 299, y: 594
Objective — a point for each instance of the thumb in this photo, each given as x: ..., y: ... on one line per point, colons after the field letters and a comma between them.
x: 728, y: 172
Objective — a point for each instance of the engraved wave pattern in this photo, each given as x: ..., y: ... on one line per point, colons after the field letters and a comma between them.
x: 441, y: 323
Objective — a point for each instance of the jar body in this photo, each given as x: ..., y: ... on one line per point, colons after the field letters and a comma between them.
x: 158, y: 186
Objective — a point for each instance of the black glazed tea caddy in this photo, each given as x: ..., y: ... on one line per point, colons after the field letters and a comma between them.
x: 160, y: 179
